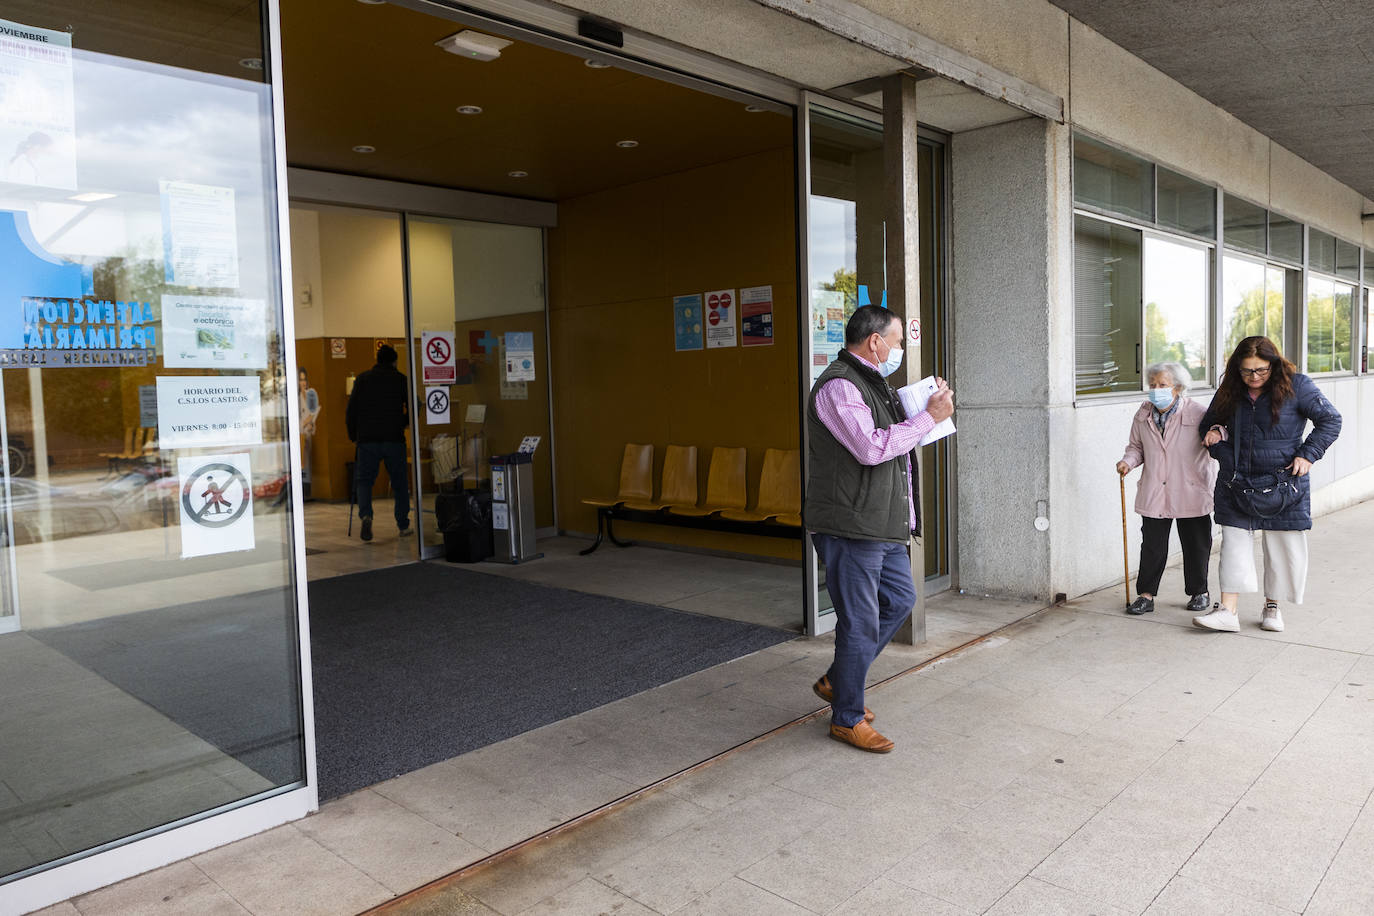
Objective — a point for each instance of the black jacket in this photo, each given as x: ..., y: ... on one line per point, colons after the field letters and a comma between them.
x: 377, y: 408
x: 1266, y: 446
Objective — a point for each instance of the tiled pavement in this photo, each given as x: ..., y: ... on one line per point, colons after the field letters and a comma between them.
x: 1079, y: 762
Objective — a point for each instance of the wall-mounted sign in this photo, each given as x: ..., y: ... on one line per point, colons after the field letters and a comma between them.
x: 436, y: 405
x: 200, y: 238
x: 338, y: 347
x: 38, y: 115
x: 147, y: 405
x: 216, y: 504
x: 756, y: 315
x: 195, y: 411
x: 520, y: 356
x: 687, y: 323
x: 214, y: 332
x: 913, y: 330
x: 720, y: 318
x: 438, y: 363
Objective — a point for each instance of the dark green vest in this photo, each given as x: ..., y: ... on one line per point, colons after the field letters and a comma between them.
x: 843, y: 497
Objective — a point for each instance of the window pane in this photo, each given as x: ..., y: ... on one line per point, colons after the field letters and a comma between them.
x: 1111, y: 180
x: 1244, y: 224
x: 1276, y: 283
x: 1368, y: 267
x: 1285, y: 238
x: 1342, y: 321
x: 1185, y: 204
x: 1368, y: 333
x: 1321, y: 251
x: 1176, y: 280
x: 1320, y: 307
x: 1106, y: 306
x: 1244, y: 302
x: 1347, y: 260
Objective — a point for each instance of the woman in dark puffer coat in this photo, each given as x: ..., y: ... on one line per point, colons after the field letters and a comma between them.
x: 1266, y: 403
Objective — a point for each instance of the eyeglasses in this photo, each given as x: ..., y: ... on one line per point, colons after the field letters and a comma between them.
x: 1255, y: 373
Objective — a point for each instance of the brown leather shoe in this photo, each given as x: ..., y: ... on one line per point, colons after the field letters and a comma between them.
x: 861, y: 736
x: 823, y: 690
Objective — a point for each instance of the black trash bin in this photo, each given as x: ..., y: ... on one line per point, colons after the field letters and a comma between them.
x: 464, y: 519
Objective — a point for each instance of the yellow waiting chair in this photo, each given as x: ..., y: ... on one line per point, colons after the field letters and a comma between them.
x: 725, y: 484
x: 779, y: 491
x: 679, y: 487
x: 636, y: 482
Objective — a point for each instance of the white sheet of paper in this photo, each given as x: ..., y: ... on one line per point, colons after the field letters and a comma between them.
x: 915, y: 397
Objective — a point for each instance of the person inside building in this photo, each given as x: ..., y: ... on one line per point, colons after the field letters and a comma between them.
x: 377, y: 417
x: 862, y: 508
x: 1254, y: 429
x: 1176, y: 480
x: 310, y: 413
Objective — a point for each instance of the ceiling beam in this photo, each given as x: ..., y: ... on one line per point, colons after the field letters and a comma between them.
x: 878, y: 33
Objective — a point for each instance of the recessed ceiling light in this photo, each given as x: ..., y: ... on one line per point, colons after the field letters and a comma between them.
x: 364, y: 148
x: 518, y: 173
x: 474, y: 45
x: 251, y: 63
x: 627, y: 144
x: 754, y: 109
x: 90, y: 197
x: 372, y: 2
x: 596, y: 64
x: 469, y: 109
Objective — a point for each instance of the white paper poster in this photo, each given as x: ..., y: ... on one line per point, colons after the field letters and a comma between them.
x: 721, y: 323
x: 199, y: 235
x: 436, y: 405
x: 194, y: 411
x: 37, y: 111
x: 216, y: 504
x: 440, y: 365
x: 512, y: 390
x: 214, y: 332
x: 147, y: 405
x: 520, y: 356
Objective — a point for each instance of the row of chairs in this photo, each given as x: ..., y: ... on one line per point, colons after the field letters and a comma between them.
x: 140, y: 444
x: 779, y: 501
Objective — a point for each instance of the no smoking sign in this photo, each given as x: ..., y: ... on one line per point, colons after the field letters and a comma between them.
x: 913, y: 330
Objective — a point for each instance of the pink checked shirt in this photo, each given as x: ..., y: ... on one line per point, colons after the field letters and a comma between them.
x: 842, y: 409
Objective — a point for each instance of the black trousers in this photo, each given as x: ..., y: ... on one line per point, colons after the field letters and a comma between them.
x: 1195, y: 534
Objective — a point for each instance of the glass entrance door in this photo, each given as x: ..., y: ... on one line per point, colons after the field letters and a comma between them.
x: 478, y: 324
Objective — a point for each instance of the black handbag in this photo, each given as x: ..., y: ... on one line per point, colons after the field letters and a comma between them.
x: 1259, y: 495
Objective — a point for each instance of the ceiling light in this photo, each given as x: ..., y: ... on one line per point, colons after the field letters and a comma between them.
x: 473, y: 45
x: 754, y: 109
x: 90, y: 197
x: 596, y: 64
x: 372, y: 2
x: 627, y: 144
x: 518, y: 173
x: 364, y: 148
x: 251, y: 63
x: 469, y: 109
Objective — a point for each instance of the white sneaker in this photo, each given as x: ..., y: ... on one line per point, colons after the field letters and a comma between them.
x: 1219, y: 619
x: 1272, y: 619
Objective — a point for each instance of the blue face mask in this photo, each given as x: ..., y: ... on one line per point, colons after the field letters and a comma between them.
x: 892, y: 363
x: 1161, y: 397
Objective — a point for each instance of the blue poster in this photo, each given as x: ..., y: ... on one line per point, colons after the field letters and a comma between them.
x: 688, y: 333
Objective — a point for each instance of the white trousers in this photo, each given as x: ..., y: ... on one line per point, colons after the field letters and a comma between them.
x: 1285, y: 563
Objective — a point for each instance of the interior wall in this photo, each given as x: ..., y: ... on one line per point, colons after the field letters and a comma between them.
x: 616, y: 260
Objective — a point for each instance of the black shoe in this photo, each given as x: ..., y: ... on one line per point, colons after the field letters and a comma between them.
x: 404, y: 530
x: 367, y: 528
x: 1141, y: 605
x: 1199, y: 602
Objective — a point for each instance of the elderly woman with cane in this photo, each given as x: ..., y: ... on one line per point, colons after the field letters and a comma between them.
x: 1175, y: 486
x: 1254, y: 428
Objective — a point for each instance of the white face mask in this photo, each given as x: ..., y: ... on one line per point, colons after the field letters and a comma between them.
x: 892, y: 363
x: 1161, y: 397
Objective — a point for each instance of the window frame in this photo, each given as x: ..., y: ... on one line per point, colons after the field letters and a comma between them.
x: 1356, y: 288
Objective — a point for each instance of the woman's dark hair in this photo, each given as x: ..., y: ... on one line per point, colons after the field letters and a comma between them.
x: 866, y: 321
x: 1233, y: 389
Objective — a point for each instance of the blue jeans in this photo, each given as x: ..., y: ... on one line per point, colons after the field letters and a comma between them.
x: 870, y: 585
x: 370, y: 456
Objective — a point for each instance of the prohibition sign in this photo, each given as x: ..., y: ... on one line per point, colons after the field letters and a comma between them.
x: 438, y: 401
x: 214, y: 495
x: 439, y: 351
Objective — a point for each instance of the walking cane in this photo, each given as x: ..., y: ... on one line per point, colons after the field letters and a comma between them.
x: 353, y: 490
x: 1125, y: 554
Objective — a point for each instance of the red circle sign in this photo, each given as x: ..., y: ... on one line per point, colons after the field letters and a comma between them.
x: 714, y: 317
x: 439, y: 351
x: 913, y: 330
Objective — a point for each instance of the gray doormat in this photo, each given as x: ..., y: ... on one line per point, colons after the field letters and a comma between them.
x: 412, y: 665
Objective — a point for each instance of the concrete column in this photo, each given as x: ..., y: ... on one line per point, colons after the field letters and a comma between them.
x: 900, y: 173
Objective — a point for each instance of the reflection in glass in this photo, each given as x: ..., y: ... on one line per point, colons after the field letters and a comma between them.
x: 1285, y: 238
x: 1107, y: 306
x: 1321, y: 251
x: 1111, y: 180
x: 155, y: 674
x: 1244, y: 224
x: 1342, y: 336
x: 1321, y: 294
x: 1252, y: 302
x: 1185, y: 204
x: 1176, y: 283
x: 1347, y: 260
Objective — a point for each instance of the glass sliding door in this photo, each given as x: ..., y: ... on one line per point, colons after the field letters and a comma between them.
x: 156, y: 677
x: 478, y: 325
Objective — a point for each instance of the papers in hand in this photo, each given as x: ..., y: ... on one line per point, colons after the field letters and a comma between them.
x: 914, y: 399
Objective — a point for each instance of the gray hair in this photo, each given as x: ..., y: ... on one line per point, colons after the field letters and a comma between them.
x: 1176, y: 371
